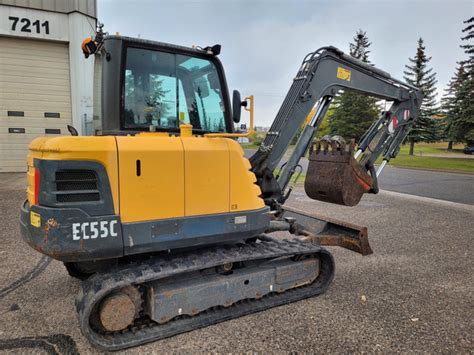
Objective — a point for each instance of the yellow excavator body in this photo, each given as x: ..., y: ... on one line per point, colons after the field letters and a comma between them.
x: 102, y: 150
x: 157, y: 176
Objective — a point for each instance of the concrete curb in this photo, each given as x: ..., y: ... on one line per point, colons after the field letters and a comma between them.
x: 429, y: 200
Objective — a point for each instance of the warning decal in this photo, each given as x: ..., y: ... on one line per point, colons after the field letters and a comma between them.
x: 35, y: 219
x: 344, y: 74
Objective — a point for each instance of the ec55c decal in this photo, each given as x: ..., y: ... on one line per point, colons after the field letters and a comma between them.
x: 94, y: 230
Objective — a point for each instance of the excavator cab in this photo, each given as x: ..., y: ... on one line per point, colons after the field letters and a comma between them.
x: 145, y: 86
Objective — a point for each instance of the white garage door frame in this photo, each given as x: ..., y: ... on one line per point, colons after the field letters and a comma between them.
x: 35, y: 96
x: 70, y: 29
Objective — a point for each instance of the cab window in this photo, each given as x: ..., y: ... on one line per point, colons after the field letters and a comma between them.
x: 162, y: 88
x: 205, y: 98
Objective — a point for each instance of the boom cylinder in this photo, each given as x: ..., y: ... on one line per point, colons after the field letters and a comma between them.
x: 303, y: 142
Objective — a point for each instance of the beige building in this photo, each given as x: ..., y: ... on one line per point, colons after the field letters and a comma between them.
x: 45, y: 81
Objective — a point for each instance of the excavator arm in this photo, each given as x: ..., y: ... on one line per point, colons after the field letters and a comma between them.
x: 320, y: 77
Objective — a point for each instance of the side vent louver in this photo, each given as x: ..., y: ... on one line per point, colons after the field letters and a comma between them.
x: 76, y: 186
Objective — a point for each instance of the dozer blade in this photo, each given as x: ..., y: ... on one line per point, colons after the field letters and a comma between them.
x: 328, y: 231
x: 335, y: 176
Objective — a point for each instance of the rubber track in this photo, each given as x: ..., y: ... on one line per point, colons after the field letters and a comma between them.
x: 94, y: 289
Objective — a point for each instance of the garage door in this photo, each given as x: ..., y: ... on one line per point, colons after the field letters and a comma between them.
x: 35, y: 96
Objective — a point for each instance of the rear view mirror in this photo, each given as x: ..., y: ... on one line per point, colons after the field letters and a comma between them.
x: 236, y: 106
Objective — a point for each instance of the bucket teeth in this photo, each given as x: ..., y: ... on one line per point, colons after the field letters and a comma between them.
x: 337, y: 144
x: 325, y: 146
x: 351, y: 146
x: 325, y: 142
x: 318, y: 146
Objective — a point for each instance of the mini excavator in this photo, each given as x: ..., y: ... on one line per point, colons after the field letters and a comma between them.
x: 167, y: 224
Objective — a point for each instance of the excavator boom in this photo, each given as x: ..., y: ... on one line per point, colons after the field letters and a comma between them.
x: 321, y: 76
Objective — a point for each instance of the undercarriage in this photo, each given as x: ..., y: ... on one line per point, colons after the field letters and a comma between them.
x: 144, y: 299
x: 157, y: 298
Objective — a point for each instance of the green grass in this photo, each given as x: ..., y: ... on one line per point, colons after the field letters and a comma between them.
x: 249, y: 146
x: 421, y: 149
x: 420, y: 160
x: 433, y: 163
x: 404, y: 160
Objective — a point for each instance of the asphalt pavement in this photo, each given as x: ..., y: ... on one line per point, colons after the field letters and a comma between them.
x: 413, y: 295
x: 446, y: 186
x: 434, y: 184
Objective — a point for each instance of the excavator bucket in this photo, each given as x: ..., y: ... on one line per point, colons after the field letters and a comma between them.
x: 334, y: 175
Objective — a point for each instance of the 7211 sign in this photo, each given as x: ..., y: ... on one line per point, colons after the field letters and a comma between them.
x: 25, y: 25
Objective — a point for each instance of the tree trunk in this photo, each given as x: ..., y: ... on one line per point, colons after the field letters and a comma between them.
x: 412, y: 147
x: 311, y: 148
x: 450, y: 145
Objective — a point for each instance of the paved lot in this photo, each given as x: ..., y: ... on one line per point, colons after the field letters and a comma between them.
x: 418, y: 287
x: 439, y: 185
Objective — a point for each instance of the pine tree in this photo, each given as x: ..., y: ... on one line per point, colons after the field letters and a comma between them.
x: 468, y: 47
x: 354, y: 113
x: 360, y: 48
x: 464, y: 123
x: 450, y: 108
x: 157, y: 108
x: 418, y: 75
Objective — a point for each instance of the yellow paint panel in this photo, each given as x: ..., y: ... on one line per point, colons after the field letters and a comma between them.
x: 207, y: 175
x: 159, y: 190
x: 99, y: 149
x: 244, y: 194
x: 178, y: 176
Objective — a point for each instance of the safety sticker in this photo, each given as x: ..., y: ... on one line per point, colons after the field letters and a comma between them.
x: 35, y: 219
x: 393, y: 124
x: 406, y: 115
x: 343, y: 74
x: 240, y: 219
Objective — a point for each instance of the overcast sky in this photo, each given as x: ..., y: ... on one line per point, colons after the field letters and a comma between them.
x: 264, y: 42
